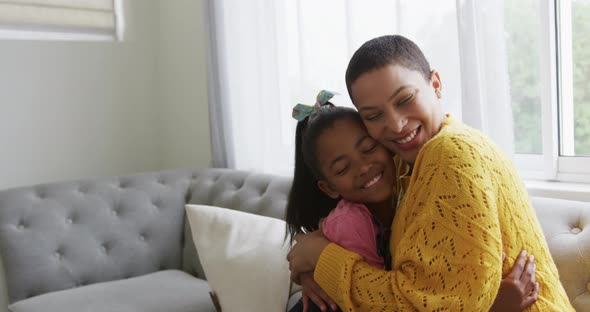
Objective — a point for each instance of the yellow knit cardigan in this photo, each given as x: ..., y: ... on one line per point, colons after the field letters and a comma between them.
x: 463, y: 206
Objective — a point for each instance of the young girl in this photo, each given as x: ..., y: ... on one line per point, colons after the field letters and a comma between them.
x: 337, y: 164
x: 462, y: 204
x: 334, y: 149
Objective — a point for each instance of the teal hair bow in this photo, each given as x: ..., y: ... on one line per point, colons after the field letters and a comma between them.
x: 302, y: 111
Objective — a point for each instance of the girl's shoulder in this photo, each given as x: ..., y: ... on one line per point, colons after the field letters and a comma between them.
x: 346, y: 207
x: 346, y: 210
x: 347, y: 215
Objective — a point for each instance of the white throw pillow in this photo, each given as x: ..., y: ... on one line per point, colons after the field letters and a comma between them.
x: 243, y: 256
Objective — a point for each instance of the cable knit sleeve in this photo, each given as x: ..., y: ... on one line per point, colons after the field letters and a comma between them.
x: 446, y: 241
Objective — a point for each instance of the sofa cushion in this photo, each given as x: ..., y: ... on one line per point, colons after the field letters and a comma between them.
x: 244, y: 256
x: 171, y: 291
x: 256, y: 193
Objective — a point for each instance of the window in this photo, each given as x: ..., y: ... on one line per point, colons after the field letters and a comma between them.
x: 61, y: 19
x: 546, y: 68
x: 548, y: 45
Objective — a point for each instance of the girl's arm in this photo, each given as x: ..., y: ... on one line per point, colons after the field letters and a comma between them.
x: 310, y: 290
x: 519, y: 289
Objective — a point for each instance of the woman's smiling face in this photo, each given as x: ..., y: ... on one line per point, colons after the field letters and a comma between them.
x: 399, y: 107
x: 354, y: 165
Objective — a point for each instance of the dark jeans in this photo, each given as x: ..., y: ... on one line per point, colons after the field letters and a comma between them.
x: 312, y: 307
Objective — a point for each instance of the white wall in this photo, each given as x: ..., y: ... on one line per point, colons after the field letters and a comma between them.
x: 182, y: 72
x: 73, y: 110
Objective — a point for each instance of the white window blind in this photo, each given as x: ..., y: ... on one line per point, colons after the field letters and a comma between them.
x: 66, y: 16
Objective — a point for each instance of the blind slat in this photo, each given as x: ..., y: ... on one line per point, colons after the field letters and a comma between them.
x: 47, y: 18
x: 104, y: 5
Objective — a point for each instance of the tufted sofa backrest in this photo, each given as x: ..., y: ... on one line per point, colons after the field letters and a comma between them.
x: 62, y: 235
x: 565, y: 225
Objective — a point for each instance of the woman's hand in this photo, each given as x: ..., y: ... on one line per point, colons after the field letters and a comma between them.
x: 519, y: 289
x: 311, y: 290
x: 304, y: 255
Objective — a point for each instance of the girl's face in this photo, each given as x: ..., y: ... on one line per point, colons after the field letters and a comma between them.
x: 354, y: 166
x: 399, y: 108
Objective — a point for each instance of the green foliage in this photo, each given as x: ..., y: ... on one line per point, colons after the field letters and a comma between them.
x: 523, y: 44
x: 523, y: 27
x: 581, y: 68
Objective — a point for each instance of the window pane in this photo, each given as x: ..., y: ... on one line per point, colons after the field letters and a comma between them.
x: 581, y: 75
x: 522, y: 26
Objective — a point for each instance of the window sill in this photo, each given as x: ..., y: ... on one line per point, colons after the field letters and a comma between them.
x: 562, y: 190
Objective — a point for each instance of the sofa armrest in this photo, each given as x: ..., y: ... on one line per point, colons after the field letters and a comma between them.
x: 565, y: 227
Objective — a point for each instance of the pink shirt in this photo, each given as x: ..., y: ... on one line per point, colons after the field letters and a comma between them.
x: 351, y: 226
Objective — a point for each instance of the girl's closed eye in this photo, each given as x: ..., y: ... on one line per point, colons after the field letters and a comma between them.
x: 371, y: 148
x: 341, y: 170
x: 373, y: 116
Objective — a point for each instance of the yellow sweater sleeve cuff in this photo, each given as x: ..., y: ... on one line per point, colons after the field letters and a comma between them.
x: 334, y: 269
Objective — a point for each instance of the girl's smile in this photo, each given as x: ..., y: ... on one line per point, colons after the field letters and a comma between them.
x: 373, y: 181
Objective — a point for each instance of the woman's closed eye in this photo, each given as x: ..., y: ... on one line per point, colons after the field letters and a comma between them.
x: 406, y: 100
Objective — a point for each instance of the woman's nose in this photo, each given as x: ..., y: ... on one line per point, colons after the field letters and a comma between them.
x: 395, y: 122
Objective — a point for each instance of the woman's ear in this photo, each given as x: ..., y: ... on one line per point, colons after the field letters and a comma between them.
x: 436, y: 82
x: 325, y: 187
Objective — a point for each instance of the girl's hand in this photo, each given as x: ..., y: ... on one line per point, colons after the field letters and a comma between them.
x: 519, y: 289
x: 304, y: 255
x: 311, y: 290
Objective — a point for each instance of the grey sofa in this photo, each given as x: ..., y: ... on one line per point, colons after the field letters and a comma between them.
x: 120, y: 243
x: 123, y: 243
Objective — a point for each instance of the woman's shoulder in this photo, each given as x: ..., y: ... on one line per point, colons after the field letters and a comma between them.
x: 455, y: 135
x: 457, y: 141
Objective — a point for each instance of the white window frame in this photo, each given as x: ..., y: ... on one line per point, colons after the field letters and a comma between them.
x: 556, y: 101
